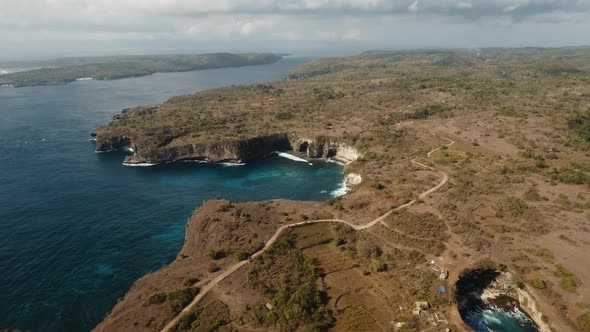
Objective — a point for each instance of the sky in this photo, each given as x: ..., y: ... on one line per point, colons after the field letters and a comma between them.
x: 50, y: 28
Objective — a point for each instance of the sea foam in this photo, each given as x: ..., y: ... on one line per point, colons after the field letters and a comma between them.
x: 139, y: 164
x: 292, y: 157
x: 341, y: 190
x: 227, y: 164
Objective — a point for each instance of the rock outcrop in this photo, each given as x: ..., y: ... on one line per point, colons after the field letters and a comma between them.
x: 237, y: 150
x: 111, y: 142
x: 324, y: 147
x: 227, y: 150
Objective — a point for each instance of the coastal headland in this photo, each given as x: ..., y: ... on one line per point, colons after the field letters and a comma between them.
x: 467, y: 160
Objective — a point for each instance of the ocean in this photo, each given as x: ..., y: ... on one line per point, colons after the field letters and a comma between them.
x: 78, y: 227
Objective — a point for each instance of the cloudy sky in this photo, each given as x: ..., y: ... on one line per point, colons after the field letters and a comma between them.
x: 38, y: 28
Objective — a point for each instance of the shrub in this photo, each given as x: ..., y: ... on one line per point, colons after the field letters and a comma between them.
x: 288, y: 277
x: 213, y: 268
x: 532, y: 195
x: 157, y: 298
x: 581, y: 125
x: 539, y: 284
x: 584, y: 322
x: 180, y: 298
x: 339, y: 241
x: 240, y: 255
x: 284, y: 115
x: 216, y: 254
x: 378, y: 266
x: 214, y: 315
x: 569, y: 281
x: 511, y: 207
x: 190, y: 281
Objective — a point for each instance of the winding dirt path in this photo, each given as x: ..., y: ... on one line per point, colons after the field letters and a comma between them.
x: 229, y: 271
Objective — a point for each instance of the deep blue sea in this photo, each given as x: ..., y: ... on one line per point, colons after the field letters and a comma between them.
x: 77, y: 228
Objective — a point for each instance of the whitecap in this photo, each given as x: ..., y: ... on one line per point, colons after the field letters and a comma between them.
x: 227, y: 164
x: 139, y: 164
x: 292, y: 157
x: 341, y: 191
x: 194, y: 161
x: 330, y: 160
x: 129, y: 149
x: 84, y: 79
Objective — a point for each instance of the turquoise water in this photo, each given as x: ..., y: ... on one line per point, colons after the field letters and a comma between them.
x: 501, y: 314
x: 499, y: 320
x: 77, y: 227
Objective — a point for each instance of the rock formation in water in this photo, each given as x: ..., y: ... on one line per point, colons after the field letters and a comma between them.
x: 483, y: 289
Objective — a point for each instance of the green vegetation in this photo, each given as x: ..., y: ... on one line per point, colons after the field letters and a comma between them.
x: 572, y: 174
x: 569, y: 281
x: 512, y: 207
x: 584, y: 322
x: 208, y: 319
x: 217, y: 254
x: 286, y: 276
x: 180, y: 298
x: 157, y: 298
x: 107, y: 68
x: 213, y: 268
x: 581, y: 126
x: 189, y: 281
x: 538, y: 283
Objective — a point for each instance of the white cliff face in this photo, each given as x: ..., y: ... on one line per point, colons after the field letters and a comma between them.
x: 529, y: 304
x: 324, y: 147
x: 503, y: 285
x: 353, y: 179
x: 346, y: 154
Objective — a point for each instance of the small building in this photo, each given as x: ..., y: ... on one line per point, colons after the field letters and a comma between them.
x: 419, y: 306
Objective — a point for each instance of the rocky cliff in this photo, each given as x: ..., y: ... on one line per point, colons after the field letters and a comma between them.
x: 324, y: 147
x: 226, y: 150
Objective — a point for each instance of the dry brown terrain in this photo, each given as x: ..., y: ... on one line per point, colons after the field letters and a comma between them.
x: 517, y: 194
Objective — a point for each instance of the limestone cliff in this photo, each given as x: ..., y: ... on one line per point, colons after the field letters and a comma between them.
x: 226, y: 150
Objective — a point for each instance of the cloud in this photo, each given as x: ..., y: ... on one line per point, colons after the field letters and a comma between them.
x: 389, y: 23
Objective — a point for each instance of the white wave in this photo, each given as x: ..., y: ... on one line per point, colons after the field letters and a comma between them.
x: 129, y: 149
x: 193, y: 161
x: 92, y: 139
x: 226, y: 164
x: 84, y: 79
x: 341, y: 191
x: 2, y: 71
x: 6, y: 86
x: 330, y: 160
x: 139, y: 164
x: 104, y: 151
x: 489, y: 317
x: 292, y: 157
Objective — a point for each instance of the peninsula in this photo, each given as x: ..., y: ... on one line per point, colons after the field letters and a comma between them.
x: 67, y: 70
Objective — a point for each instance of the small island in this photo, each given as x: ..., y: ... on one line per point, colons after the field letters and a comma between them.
x: 62, y: 71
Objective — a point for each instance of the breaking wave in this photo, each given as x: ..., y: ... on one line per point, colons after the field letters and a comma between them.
x: 292, y: 157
